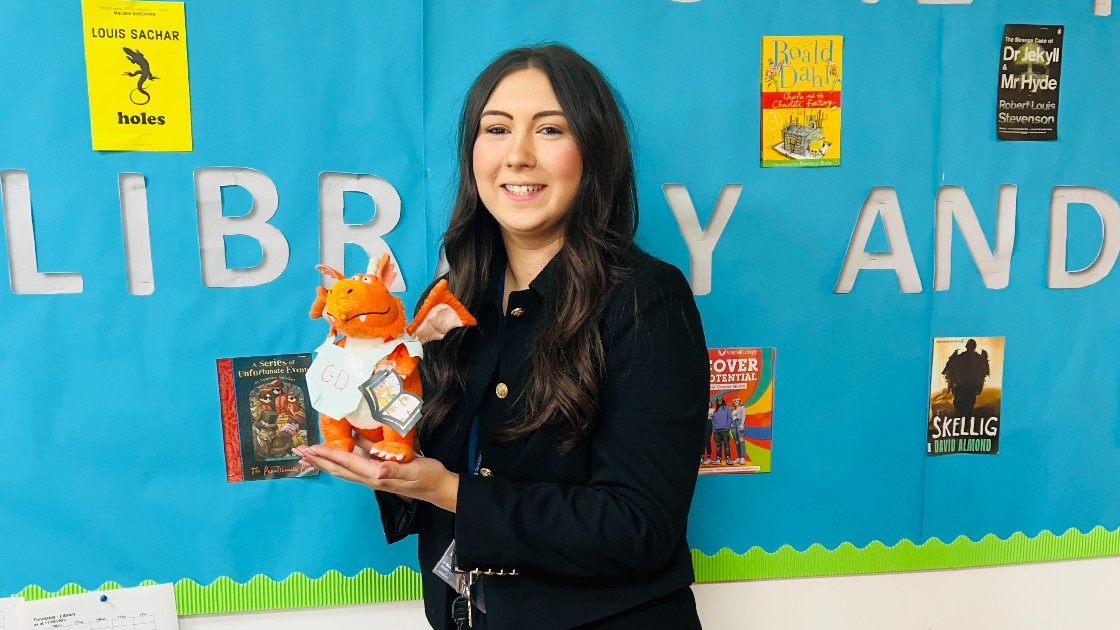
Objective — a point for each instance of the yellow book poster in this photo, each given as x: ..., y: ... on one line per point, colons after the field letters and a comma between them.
x: 801, y: 100
x: 136, y: 67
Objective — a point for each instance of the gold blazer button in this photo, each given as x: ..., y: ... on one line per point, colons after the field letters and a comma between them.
x: 485, y: 472
x: 517, y: 312
x: 501, y: 390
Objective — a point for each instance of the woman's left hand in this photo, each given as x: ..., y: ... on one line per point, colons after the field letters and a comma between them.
x: 422, y: 478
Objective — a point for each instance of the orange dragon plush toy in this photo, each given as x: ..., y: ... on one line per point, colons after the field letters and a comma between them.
x: 366, y: 382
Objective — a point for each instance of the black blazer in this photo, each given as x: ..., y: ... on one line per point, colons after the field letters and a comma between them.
x: 601, y: 528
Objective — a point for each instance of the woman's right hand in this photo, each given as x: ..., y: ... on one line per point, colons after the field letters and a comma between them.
x: 422, y: 478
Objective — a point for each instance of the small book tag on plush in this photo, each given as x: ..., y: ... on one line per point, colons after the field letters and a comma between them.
x: 389, y: 404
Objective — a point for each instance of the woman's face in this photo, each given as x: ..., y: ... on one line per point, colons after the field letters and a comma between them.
x: 527, y: 165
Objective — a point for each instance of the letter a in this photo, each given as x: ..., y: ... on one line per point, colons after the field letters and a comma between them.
x: 880, y: 201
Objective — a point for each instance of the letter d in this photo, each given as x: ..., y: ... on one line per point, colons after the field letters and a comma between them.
x: 1058, y: 277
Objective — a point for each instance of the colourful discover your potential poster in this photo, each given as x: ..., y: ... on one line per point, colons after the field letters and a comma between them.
x: 136, y: 68
x: 801, y: 78
x: 740, y: 411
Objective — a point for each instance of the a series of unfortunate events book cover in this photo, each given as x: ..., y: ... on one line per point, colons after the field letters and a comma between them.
x: 966, y: 387
x: 265, y: 414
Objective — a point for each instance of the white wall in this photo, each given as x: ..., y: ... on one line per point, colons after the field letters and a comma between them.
x: 1073, y: 595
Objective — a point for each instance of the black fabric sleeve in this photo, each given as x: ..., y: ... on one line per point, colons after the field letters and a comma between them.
x: 644, y: 455
x: 398, y: 516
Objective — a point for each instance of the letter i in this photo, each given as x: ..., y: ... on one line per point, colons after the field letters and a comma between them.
x: 137, y: 240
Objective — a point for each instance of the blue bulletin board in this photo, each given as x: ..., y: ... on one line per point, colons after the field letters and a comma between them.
x: 115, y: 469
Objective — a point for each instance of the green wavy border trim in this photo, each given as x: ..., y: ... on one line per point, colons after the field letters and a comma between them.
x: 847, y: 559
x: 261, y: 592
x: 369, y: 587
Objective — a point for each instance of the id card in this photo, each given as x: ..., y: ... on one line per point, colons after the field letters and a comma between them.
x: 459, y: 580
x: 445, y: 569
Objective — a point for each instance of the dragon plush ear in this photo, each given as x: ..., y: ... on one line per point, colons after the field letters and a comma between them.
x: 321, y: 294
x: 439, y: 314
x: 384, y: 269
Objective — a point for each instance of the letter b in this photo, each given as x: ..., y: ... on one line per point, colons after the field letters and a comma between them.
x: 213, y: 227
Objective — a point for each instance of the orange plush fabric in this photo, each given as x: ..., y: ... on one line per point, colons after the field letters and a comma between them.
x: 361, y: 307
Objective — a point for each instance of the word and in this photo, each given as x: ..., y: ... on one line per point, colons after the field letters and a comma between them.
x: 952, y: 206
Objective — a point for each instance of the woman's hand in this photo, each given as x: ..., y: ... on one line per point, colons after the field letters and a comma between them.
x: 422, y: 478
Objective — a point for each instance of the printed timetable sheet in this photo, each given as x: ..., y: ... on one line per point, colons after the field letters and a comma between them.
x: 140, y: 608
x: 10, y: 608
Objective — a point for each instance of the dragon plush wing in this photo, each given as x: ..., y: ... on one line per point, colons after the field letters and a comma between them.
x: 439, y: 314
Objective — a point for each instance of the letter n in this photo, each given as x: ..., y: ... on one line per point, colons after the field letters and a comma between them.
x: 994, y: 265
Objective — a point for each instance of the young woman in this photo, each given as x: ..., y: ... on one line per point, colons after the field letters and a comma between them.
x: 561, y: 434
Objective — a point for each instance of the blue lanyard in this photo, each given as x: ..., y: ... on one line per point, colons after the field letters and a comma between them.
x: 474, y: 455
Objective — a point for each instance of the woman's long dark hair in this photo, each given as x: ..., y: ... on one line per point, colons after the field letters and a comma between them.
x: 567, y: 370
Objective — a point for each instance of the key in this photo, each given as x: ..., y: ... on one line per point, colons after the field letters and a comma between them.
x: 470, y: 606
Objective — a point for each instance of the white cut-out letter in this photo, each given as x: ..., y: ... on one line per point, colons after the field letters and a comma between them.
x: 23, y: 267
x: 881, y: 201
x: 701, y: 243
x: 334, y: 232
x: 1102, y: 7
x: 1057, y: 276
x: 213, y: 227
x: 994, y: 265
x: 442, y: 266
x: 137, y: 239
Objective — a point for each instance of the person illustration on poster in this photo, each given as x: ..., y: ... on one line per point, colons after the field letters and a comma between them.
x: 721, y: 427
x: 708, y: 437
x: 965, y: 373
x: 739, y: 430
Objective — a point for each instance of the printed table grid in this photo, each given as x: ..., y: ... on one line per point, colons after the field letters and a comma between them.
x: 142, y: 622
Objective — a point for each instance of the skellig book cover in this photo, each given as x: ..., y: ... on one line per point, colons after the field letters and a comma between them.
x: 966, y: 388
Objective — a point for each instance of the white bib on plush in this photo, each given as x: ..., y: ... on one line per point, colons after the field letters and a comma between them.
x: 336, y: 375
